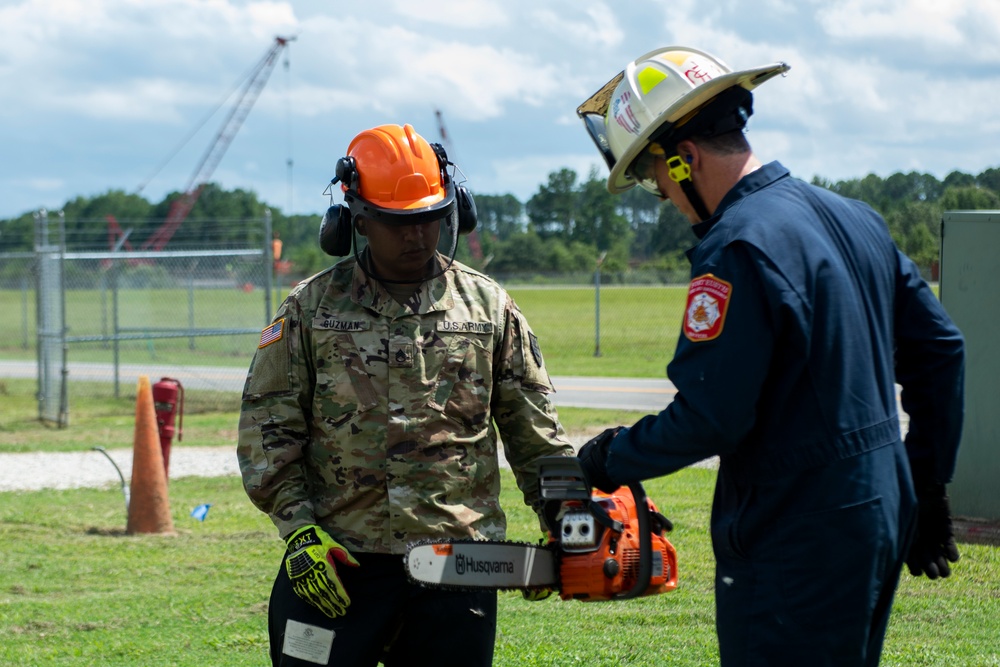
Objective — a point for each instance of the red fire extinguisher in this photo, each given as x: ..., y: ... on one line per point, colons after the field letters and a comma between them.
x: 168, y: 401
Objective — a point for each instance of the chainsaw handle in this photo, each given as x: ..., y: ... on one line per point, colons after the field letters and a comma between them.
x: 645, y: 545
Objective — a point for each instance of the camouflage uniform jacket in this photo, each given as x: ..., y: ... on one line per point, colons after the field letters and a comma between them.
x: 378, y: 420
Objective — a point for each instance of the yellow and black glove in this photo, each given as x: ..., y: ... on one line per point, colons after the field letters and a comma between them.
x: 538, y: 594
x: 311, y: 568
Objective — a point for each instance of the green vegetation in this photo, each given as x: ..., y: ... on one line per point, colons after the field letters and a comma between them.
x: 87, y: 314
x: 564, y: 227
x: 210, y: 420
x: 74, y: 590
x: 639, y: 327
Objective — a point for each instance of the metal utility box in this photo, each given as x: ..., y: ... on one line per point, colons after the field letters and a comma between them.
x: 970, y: 292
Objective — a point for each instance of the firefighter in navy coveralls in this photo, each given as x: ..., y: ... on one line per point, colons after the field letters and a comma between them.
x: 801, y: 317
x: 372, y: 415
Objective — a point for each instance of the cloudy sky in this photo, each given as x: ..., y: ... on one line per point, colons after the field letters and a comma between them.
x: 101, y: 94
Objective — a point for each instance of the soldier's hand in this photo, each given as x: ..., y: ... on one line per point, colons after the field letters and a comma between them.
x: 538, y: 594
x: 313, y: 572
x: 934, y: 544
x: 594, y: 460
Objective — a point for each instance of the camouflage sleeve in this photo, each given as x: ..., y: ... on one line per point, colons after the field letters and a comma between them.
x: 273, y: 427
x: 528, y: 424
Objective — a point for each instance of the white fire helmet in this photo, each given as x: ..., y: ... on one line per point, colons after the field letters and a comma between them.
x: 656, y: 91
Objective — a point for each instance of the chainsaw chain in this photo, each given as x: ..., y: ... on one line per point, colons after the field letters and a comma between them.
x: 475, y: 589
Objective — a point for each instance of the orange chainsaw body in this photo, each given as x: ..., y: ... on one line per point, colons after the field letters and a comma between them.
x: 609, y: 565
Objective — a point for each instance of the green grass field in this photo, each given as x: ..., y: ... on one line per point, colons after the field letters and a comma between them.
x: 638, y: 334
x: 74, y: 590
x: 209, y: 421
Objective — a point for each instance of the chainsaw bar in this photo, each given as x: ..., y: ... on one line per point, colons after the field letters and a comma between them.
x: 476, y: 565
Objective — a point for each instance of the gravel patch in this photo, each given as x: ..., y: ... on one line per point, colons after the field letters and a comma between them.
x: 91, y: 468
x: 74, y: 470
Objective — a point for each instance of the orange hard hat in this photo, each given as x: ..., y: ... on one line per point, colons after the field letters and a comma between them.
x: 393, y: 174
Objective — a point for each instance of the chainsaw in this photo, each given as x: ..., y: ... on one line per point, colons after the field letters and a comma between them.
x: 602, y: 546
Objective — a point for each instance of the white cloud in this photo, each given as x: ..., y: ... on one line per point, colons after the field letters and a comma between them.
x: 129, y: 58
x: 42, y: 184
x: 597, y: 26
x: 392, y: 67
x: 930, y: 20
x: 97, y: 92
x: 521, y: 176
x: 459, y: 14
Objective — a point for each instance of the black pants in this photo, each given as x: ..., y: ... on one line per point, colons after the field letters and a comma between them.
x: 389, y: 619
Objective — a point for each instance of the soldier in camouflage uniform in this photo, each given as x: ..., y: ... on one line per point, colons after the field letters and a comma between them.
x: 371, y: 416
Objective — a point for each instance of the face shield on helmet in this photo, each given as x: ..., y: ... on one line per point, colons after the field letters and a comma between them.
x: 656, y: 92
x: 643, y: 169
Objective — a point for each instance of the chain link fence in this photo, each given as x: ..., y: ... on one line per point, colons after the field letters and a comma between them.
x: 87, y: 322
x: 85, y: 319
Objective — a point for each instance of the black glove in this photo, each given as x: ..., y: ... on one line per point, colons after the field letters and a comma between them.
x: 934, y: 544
x: 594, y: 460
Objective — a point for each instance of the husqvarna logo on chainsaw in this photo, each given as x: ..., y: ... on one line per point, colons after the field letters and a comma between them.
x: 468, y: 565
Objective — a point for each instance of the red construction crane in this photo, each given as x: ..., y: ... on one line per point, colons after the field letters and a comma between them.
x: 179, y: 209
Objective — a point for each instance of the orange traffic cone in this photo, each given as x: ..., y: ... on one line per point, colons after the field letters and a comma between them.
x: 149, y: 507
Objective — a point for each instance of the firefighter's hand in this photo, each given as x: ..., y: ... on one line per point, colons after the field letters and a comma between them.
x: 594, y: 460
x: 311, y: 568
x: 934, y: 544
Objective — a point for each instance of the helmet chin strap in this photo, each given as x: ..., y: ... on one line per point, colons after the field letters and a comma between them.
x: 680, y: 173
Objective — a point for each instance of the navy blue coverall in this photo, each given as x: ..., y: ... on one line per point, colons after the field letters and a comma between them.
x: 802, y: 316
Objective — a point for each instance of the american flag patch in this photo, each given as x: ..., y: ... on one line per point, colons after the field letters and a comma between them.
x: 272, y: 333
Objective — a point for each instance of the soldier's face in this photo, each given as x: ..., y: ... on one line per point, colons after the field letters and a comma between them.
x: 401, y: 252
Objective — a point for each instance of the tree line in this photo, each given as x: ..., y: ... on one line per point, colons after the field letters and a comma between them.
x: 567, y: 226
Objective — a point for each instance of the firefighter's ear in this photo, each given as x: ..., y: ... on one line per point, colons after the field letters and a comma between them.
x: 335, y: 234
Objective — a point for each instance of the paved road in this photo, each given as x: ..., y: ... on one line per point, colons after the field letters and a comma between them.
x: 643, y: 395
x: 91, y: 468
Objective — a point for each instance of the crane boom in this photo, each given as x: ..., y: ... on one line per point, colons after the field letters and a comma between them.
x: 181, y: 206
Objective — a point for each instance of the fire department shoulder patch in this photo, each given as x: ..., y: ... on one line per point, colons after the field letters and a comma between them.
x: 707, y: 302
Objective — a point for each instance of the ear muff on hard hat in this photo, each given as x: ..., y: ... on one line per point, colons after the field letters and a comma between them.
x: 656, y: 91
x: 335, y: 235
x: 468, y: 214
x: 465, y: 205
x: 393, y: 175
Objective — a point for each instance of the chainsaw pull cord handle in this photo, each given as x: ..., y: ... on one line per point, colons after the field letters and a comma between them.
x: 645, y: 545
